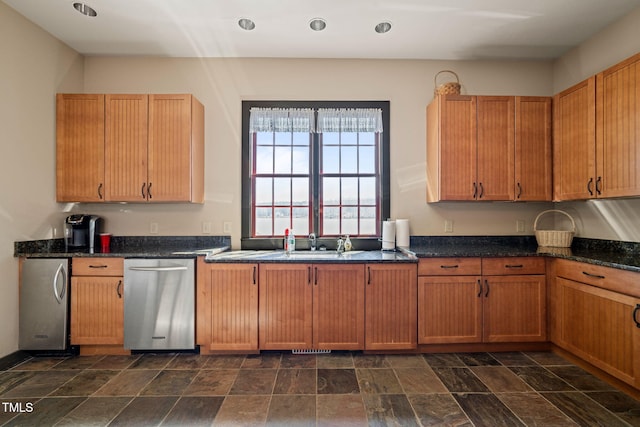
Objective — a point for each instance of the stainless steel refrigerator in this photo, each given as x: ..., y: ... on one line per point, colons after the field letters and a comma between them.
x: 44, y: 304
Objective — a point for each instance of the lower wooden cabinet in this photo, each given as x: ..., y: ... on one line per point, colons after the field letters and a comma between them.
x: 391, y: 306
x: 97, y: 305
x: 311, y: 306
x: 473, y: 300
x: 227, y: 307
x: 597, y: 317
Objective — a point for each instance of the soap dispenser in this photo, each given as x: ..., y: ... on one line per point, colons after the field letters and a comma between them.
x: 347, y: 244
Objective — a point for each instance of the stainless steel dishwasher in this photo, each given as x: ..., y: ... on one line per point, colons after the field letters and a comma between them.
x: 159, y: 304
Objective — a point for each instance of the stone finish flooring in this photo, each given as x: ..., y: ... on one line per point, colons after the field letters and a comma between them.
x: 337, y: 389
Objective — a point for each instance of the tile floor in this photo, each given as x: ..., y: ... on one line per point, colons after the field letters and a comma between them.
x: 338, y: 389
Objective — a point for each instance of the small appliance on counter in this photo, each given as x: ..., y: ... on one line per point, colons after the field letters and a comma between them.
x: 82, y: 231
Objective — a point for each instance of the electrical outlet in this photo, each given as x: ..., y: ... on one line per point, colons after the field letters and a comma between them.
x: 153, y: 228
x: 206, y: 227
x: 520, y: 226
x: 448, y: 226
x: 226, y: 227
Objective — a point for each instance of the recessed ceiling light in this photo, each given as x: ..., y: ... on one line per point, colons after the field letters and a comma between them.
x: 246, y: 24
x: 85, y: 10
x: 318, y: 24
x: 383, y: 27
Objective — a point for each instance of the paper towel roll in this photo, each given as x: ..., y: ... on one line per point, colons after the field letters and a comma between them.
x: 388, y: 235
x: 402, y: 233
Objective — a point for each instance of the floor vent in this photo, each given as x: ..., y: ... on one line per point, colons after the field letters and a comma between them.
x: 310, y: 351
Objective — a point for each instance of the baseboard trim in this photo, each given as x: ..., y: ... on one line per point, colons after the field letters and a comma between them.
x: 13, y: 359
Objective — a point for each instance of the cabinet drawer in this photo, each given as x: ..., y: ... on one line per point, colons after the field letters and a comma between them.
x: 626, y: 282
x: 449, y: 267
x: 97, y: 266
x: 512, y: 265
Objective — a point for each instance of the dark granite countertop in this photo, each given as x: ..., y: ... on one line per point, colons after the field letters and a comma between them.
x: 129, y: 247
x: 622, y: 255
x: 319, y: 256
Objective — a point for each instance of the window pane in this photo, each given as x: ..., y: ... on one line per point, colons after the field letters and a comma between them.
x: 331, y: 221
x: 367, y: 160
x: 349, y: 161
x: 264, y: 138
x: 367, y: 191
x: 330, y: 138
x: 264, y: 159
x: 282, y: 191
x: 349, y: 191
x: 263, y: 222
x: 349, y: 220
x: 300, y: 191
x: 301, y: 160
x: 301, y: 138
x: 367, y: 138
x: 282, y: 221
x: 264, y: 196
x: 350, y: 138
x: 283, y: 138
x: 368, y: 221
x: 301, y: 221
x: 330, y: 159
x: 331, y: 191
x: 283, y: 160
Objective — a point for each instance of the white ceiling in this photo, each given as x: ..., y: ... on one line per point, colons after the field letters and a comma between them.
x: 422, y: 29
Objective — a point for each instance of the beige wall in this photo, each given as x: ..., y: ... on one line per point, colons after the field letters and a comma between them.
x: 34, y: 67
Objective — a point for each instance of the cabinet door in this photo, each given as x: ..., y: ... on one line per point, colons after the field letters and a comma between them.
x: 495, y: 147
x: 618, y: 124
x: 176, y: 149
x: 515, y: 308
x: 449, y: 309
x: 285, y: 306
x: 79, y: 148
x: 533, y: 152
x: 97, y: 310
x: 126, y: 148
x: 338, y: 306
x: 457, y: 145
x: 227, y: 307
x: 598, y: 326
x: 574, y: 142
x: 391, y: 307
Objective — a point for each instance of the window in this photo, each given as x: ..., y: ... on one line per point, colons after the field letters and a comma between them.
x: 314, y: 167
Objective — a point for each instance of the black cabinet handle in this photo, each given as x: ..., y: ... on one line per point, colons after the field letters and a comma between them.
x: 486, y: 293
x: 479, y: 288
x: 519, y: 191
x: 119, y: 289
x: 315, y: 276
x: 149, y: 191
x: 595, y: 276
x: 308, y: 275
x: 514, y: 266
x: 98, y: 266
x: 475, y: 190
x: 449, y: 266
x: 100, y: 191
x: 144, y: 185
x: 635, y: 315
x: 254, y: 274
x: 368, y: 275
x: 599, y: 185
x: 481, y: 191
x: 589, y: 184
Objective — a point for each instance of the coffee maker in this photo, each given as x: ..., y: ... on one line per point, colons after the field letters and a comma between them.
x: 81, y: 231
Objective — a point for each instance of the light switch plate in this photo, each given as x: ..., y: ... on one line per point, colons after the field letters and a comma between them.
x: 206, y: 227
x: 226, y: 227
x: 520, y: 226
x: 448, y: 226
x: 153, y: 228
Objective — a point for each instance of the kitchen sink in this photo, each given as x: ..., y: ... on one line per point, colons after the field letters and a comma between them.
x: 319, y: 254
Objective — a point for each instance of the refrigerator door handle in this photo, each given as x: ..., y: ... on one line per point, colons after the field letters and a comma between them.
x: 59, y: 272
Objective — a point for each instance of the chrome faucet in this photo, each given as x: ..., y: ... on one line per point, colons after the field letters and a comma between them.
x: 312, y: 241
x: 340, y: 245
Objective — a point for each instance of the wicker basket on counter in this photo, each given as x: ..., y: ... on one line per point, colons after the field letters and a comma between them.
x: 554, y: 238
x: 449, y: 88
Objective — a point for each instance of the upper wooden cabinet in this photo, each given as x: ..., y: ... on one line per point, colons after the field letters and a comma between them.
x: 488, y: 148
x: 151, y: 148
x: 80, y: 148
x: 596, y: 142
